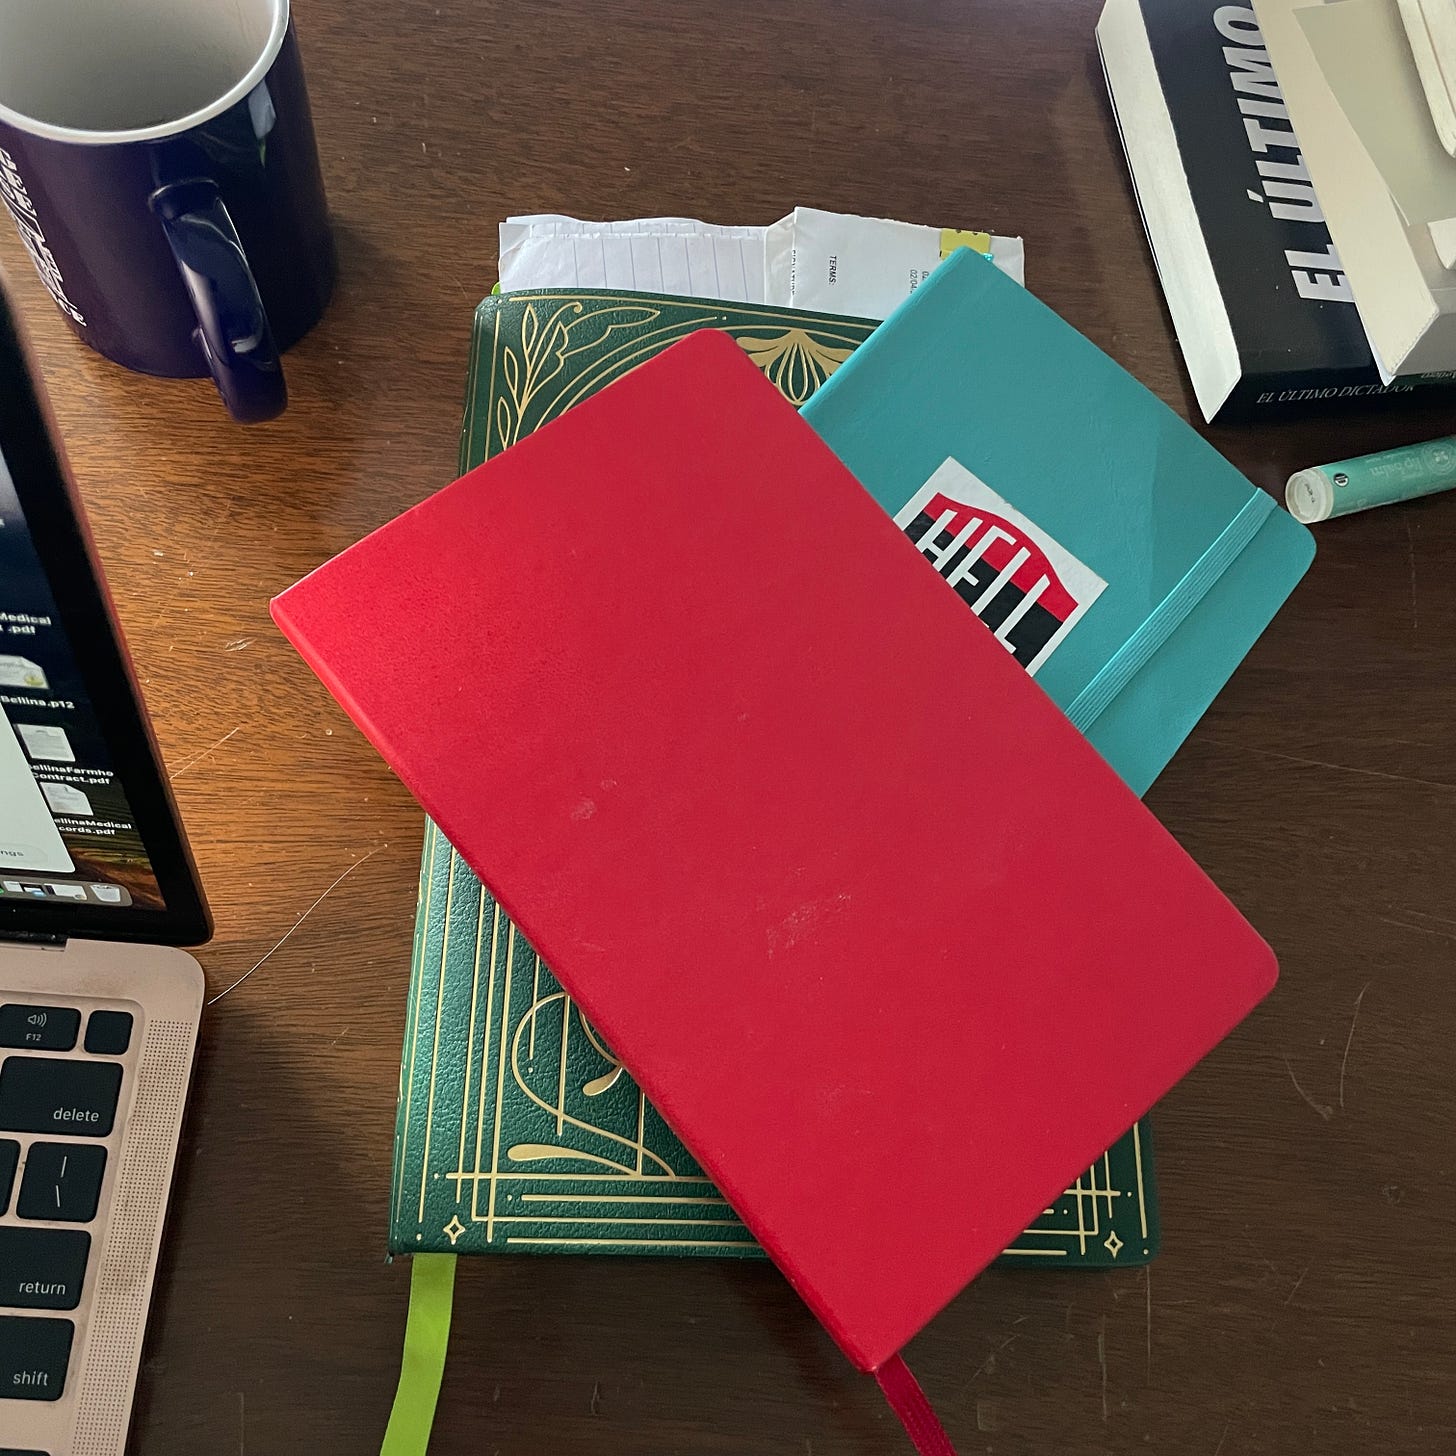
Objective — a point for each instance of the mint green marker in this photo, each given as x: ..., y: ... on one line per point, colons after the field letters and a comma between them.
x: 1371, y: 480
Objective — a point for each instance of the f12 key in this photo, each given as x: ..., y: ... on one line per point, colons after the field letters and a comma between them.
x: 40, y: 1028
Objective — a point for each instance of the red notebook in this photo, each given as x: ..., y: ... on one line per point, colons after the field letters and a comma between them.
x: 887, y: 943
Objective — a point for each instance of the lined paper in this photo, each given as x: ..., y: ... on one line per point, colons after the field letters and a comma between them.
x: 677, y: 255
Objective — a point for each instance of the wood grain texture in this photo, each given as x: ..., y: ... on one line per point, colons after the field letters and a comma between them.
x: 1302, y: 1300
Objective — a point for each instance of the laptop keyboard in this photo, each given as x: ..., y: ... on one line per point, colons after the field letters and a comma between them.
x: 54, y: 1112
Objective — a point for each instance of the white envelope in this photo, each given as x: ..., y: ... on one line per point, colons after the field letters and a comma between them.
x: 1385, y: 183
x: 863, y: 267
x: 860, y: 266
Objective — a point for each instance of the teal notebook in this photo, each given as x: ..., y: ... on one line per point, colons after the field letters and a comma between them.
x: 1111, y: 549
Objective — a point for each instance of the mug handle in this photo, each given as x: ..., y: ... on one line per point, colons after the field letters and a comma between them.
x: 232, y: 325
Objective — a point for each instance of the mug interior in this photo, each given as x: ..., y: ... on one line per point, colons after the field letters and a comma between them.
x: 110, y: 66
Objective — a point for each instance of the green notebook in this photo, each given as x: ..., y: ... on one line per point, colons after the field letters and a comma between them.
x: 518, y: 1130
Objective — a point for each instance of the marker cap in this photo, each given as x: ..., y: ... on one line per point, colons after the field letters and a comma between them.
x: 1309, y: 496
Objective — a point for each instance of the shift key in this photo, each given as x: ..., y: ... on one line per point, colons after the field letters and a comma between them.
x: 51, y: 1095
x: 33, y: 1357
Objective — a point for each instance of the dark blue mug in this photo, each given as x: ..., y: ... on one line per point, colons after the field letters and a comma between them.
x: 158, y: 158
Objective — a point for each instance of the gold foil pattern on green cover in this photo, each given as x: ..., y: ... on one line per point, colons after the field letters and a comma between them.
x: 795, y: 361
x: 537, y: 354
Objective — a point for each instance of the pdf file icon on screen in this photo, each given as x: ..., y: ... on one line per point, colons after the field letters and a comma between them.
x: 29, y: 839
x: 1026, y: 587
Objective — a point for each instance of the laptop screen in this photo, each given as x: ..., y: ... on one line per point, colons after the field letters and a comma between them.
x: 68, y: 830
x: 89, y: 840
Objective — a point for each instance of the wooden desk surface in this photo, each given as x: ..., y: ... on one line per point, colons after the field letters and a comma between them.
x: 1303, y: 1299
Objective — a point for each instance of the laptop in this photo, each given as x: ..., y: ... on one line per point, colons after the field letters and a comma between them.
x: 98, y: 1010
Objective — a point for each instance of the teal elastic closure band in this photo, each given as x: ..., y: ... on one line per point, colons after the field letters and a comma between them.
x: 1165, y: 619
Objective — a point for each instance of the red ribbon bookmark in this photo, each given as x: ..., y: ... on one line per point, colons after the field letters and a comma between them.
x: 908, y: 1402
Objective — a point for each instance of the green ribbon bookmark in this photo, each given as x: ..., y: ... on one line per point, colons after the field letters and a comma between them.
x: 426, y: 1339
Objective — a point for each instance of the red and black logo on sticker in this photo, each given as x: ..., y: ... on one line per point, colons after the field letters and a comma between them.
x: 1025, y: 586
